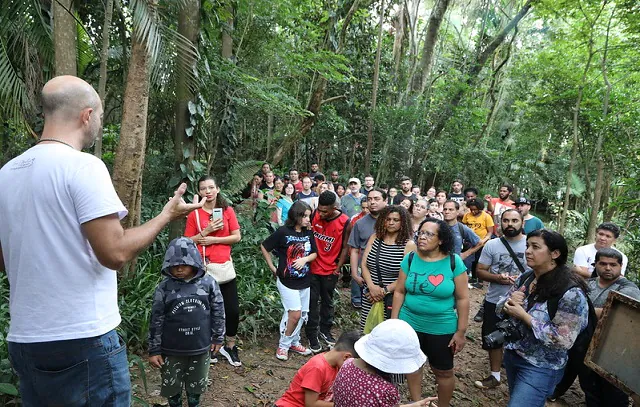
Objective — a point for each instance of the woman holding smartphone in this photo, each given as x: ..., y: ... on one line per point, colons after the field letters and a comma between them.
x: 214, y: 228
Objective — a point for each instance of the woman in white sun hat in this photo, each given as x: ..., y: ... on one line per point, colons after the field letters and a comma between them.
x: 391, y: 347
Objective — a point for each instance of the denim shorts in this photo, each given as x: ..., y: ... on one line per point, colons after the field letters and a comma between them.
x: 76, y: 372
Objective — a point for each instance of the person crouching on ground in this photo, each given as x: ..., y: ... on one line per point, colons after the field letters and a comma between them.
x: 295, y: 247
x: 392, y: 347
x: 187, y: 322
x: 311, y: 386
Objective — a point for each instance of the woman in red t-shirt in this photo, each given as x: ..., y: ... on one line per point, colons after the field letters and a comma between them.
x: 214, y: 238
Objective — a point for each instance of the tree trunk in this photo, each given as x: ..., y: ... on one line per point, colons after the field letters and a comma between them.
x: 269, y: 134
x: 64, y: 37
x: 475, y: 69
x: 422, y: 73
x: 102, y: 81
x: 597, y: 195
x: 227, y: 140
x: 129, y: 158
x: 316, y: 100
x: 374, y: 94
x: 184, y: 142
x: 398, y: 41
x: 576, y: 114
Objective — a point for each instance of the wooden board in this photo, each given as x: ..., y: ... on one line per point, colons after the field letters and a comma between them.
x: 614, y: 352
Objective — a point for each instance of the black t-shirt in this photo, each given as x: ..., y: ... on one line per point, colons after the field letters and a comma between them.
x: 456, y: 197
x: 401, y: 197
x: 289, y: 246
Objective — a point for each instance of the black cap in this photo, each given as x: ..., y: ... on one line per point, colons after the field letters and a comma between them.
x: 522, y: 201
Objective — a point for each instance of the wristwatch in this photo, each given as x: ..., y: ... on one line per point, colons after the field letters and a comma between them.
x: 386, y: 290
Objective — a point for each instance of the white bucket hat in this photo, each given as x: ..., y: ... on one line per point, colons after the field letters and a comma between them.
x: 392, y: 347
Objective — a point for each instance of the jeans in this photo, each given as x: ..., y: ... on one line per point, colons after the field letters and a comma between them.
x: 322, y: 288
x: 77, y: 372
x: 529, y: 386
x: 292, y: 300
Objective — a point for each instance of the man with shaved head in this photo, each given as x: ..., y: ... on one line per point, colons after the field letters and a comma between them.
x: 60, y: 244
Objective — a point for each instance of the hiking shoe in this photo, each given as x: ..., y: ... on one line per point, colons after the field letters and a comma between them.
x: 488, y: 383
x: 232, y: 355
x: 480, y: 315
x: 282, y: 354
x: 299, y: 349
x: 328, y: 338
x: 477, y: 284
x: 314, y: 345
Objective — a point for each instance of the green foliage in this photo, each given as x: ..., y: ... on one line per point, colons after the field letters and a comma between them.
x: 8, y: 379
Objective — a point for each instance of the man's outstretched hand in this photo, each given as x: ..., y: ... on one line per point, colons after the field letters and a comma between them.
x: 177, y: 208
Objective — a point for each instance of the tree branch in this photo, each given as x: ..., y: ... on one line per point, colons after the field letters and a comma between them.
x: 333, y: 99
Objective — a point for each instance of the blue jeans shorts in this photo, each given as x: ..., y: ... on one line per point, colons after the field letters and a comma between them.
x: 73, y: 373
x: 529, y: 385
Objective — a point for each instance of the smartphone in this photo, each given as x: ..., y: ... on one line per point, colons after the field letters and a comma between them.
x: 216, y: 214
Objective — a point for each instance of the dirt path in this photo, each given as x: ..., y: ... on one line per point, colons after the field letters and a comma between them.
x: 262, y: 379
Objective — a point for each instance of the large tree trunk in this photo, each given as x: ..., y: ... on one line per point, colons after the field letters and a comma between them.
x: 129, y: 158
x: 597, y: 194
x: 102, y: 81
x: 64, y: 37
x: 374, y: 94
x: 475, y: 69
x: 183, y: 142
x: 422, y: 73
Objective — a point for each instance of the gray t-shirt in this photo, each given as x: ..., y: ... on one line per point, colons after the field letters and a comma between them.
x: 361, y: 232
x: 598, y: 295
x: 497, y: 257
x: 351, y: 205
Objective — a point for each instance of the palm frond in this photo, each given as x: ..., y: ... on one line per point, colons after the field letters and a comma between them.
x: 14, y: 97
x: 240, y: 174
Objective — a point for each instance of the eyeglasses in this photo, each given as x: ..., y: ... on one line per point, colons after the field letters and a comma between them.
x: 426, y: 235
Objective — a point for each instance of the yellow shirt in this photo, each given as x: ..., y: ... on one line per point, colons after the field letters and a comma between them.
x: 478, y: 224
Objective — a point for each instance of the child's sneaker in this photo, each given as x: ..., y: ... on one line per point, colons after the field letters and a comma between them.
x: 232, y: 355
x: 214, y: 358
x: 282, y: 354
x: 300, y: 350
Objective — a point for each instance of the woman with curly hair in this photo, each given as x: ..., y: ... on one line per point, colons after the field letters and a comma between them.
x: 432, y: 295
x: 391, y: 240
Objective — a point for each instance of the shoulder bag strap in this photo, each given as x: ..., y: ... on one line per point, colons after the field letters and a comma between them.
x: 204, y: 248
x: 512, y: 254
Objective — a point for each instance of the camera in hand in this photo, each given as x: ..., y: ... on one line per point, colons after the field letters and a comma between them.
x: 508, y: 330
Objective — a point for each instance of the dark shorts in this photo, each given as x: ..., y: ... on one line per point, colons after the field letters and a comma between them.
x: 436, y: 347
x: 489, y: 322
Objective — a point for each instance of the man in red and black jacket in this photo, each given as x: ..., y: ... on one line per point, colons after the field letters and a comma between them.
x: 331, y: 230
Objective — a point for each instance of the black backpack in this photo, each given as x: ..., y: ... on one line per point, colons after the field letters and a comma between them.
x: 579, y: 349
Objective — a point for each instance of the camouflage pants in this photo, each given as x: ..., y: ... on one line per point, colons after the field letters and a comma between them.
x: 190, y: 372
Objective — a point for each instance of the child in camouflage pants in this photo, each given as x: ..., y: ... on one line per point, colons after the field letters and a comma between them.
x: 187, y: 322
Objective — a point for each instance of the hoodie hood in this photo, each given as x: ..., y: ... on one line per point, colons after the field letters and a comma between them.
x: 182, y: 251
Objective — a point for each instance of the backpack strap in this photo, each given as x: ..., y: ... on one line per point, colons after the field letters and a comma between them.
x: 452, y: 262
x: 552, y: 304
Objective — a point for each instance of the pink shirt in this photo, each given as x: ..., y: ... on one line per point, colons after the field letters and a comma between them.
x: 356, y: 388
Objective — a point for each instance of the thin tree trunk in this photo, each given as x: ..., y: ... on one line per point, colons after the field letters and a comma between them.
x: 574, y: 148
x: 374, y: 94
x: 576, y: 113
x: 102, y: 81
x: 597, y: 195
x: 475, y: 69
x: 269, y: 134
x: 398, y: 41
x: 64, y: 37
x: 421, y: 76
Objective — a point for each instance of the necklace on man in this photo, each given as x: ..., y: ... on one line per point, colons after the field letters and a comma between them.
x: 56, y: 140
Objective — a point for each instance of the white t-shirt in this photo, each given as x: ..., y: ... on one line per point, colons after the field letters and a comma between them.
x: 58, y: 289
x: 585, y: 256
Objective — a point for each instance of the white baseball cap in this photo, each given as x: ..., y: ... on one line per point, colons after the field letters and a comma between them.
x: 393, y: 347
x: 356, y: 180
